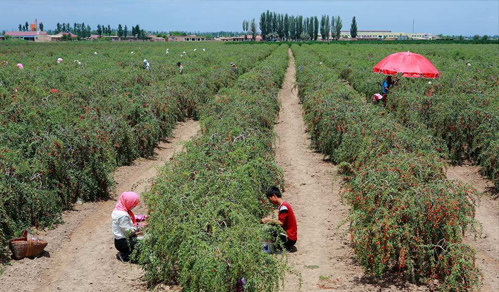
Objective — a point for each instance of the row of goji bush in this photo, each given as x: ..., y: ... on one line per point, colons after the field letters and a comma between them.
x: 64, y: 127
x: 203, y: 232
x: 405, y: 215
x: 461, y: 107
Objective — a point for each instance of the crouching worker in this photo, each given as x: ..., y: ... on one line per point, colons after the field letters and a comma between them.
x: 286, y: 219
x: 125, y: 225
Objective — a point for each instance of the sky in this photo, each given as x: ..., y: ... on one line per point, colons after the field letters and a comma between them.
x: 438, y: 17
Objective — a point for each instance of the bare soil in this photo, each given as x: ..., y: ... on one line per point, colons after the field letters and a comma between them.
x: 487, y: 213
x: 81, y: 255
x: 324, y: 258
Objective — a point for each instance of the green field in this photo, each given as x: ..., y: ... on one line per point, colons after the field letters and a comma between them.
x: 65, y: 127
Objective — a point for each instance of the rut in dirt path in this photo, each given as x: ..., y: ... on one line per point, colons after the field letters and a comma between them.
x: 82, y: 254
x: 323, y: 258
x: 487, y: 213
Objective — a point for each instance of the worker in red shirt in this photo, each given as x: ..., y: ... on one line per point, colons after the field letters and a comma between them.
x: 286, y: 218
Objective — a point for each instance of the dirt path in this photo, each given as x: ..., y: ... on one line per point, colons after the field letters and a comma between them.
x: 82, y: 255
x: 324, y: 259
x: 487, y: 213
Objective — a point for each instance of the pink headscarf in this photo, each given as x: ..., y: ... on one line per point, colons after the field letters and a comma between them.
x: 126, y: 202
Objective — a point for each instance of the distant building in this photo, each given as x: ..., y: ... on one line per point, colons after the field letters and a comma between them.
x: 187, y: 38
x: 26, y: 35
x: 112, y: 38
x: 2, y: 37
x: 60, y: 36
x: 241, y: 38
x: 154, y: 38
x: 387, y: 35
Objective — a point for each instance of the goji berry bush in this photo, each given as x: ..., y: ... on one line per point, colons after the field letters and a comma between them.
x: 461, y: 107
x: 64, y: 127
x: 405, y: 216
x: 204, y: 232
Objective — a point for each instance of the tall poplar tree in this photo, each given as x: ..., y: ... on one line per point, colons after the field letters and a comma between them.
x: 316, y: 28
x: 268, y: 19
x: 338, y: 26
x: 333, y: 27
x: 263, y: 25
x: 299, y: 24
x: 311, y: 27
x: 245, y: 28
x: 328, y: 27
x: 253, y: 29
x: 274, y: 23
x: 286, y: 26
x: 120, y: 30
x: 353, y: 28
x: 292, y: 28
x: 323, y: 27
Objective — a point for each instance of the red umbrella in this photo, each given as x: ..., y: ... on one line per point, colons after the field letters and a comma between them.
x: 408, y: 64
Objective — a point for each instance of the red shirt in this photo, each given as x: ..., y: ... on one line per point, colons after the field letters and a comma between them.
x: 287, y: 217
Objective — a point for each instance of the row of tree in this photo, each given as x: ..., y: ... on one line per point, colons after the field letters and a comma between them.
x: 462, y: 38
x: 27, y: 27
x: 250, y: 28
x: 81, y: 30
x: 284, y: 27
x: 122, y: 32
x: 84, y: 31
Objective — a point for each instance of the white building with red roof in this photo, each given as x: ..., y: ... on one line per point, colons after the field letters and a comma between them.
x: 26, y: 35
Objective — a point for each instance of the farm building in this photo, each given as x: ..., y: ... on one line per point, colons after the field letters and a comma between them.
x: 258, y: 38
x: 112, y: 38
x: 60, y: 36
x: 2, y: 37
x: 154, y: 38
x: 26, y: 35
x: 186, y: 38
x: 387, y: 34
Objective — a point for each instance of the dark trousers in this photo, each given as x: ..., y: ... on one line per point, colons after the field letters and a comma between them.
x: 125, y: 247
x: 283, y: 238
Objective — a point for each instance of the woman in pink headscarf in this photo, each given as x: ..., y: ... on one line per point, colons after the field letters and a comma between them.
x: 124, y: 225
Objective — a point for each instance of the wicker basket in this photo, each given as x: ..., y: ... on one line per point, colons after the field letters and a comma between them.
x: 26, y: 246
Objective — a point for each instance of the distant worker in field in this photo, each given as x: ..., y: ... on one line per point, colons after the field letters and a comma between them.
x: 147, y: 65
x: 387, y: 83
x: 180, y: 67
x: 124, y: 225
x: 286, y: 219
x: 234, y: 66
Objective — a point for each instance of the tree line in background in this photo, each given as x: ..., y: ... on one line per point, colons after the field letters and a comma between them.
x: 249, y: 28
x: 276, y: 26
x: 84, y: 31
x: 79, y: 29
x: 273, y: 26
x: 27, y: 27
x: 462, y: 38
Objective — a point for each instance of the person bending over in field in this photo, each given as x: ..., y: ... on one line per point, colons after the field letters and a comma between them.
x: 124, y: 225
x: 180, y: 67
x: 387, y: 83
x: 234, y: 67
x: 286, y: 219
